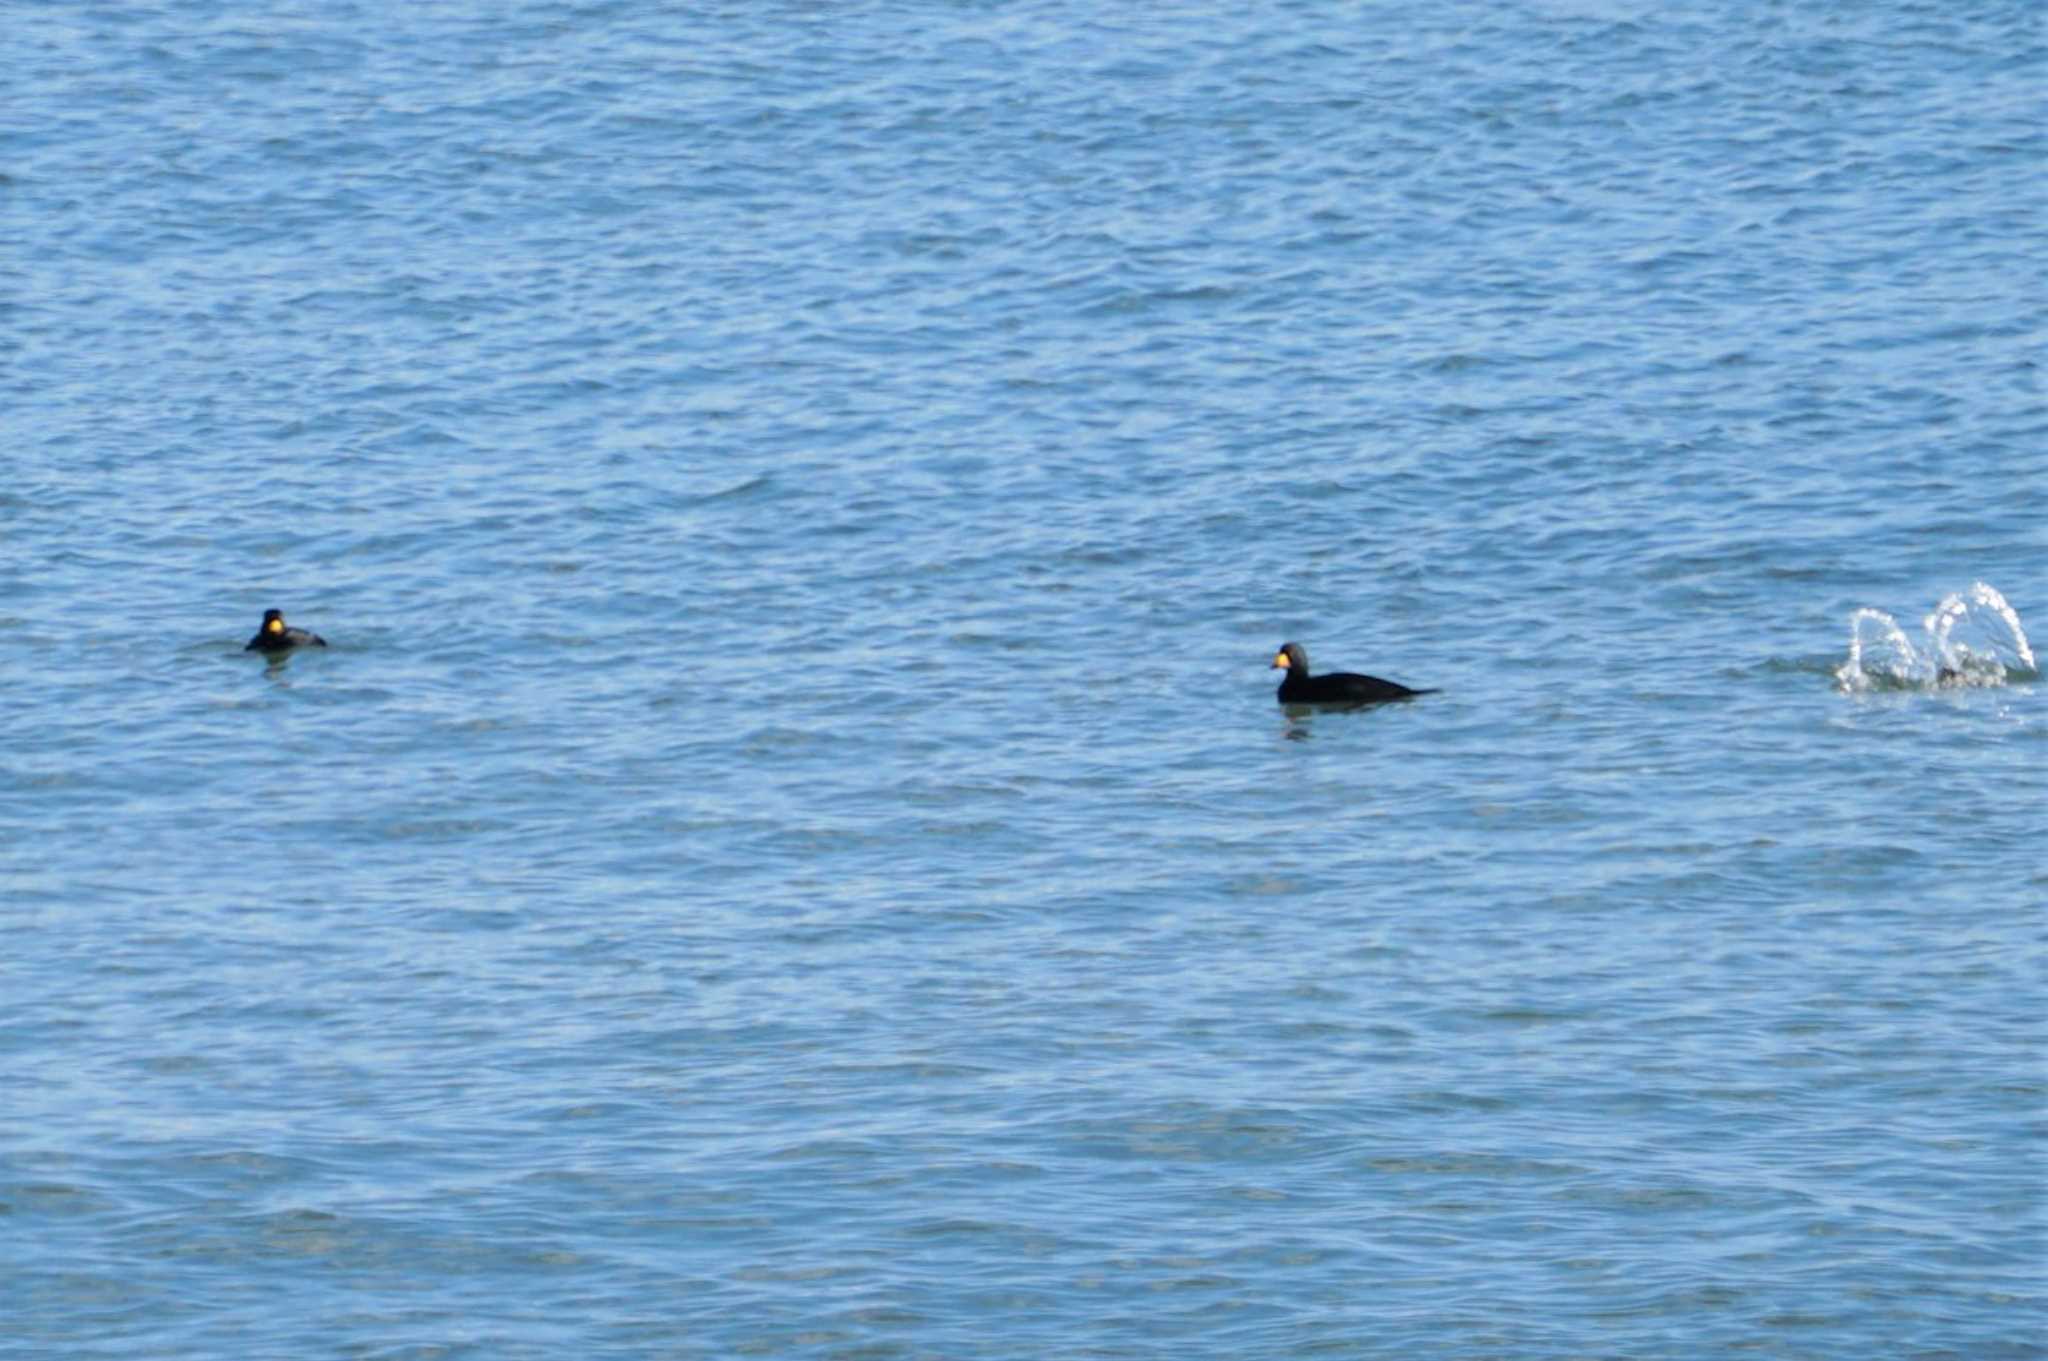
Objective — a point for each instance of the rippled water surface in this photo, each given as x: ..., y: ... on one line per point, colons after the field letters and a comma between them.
x: 792, y: 849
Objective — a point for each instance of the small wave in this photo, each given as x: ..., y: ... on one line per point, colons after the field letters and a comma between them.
x: 1972, y: 638
x: 754, y: 485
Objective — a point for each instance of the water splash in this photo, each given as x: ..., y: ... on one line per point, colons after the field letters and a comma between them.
x: 1972, y: 638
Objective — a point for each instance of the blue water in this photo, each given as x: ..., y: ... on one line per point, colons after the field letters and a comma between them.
x: 792, y: 850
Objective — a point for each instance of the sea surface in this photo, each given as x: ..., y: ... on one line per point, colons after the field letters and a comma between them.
x: 791, y: 849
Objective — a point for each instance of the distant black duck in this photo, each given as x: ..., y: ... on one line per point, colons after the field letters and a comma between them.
x: 275, y: 638
x: 1338, y: 687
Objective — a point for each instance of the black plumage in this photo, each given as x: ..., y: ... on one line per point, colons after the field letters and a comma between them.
x: 1338, y: 687
x: 274, y: 637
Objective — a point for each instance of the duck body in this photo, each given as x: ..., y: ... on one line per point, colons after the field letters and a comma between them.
x: 1347, y: 688
x: 274, y: 637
